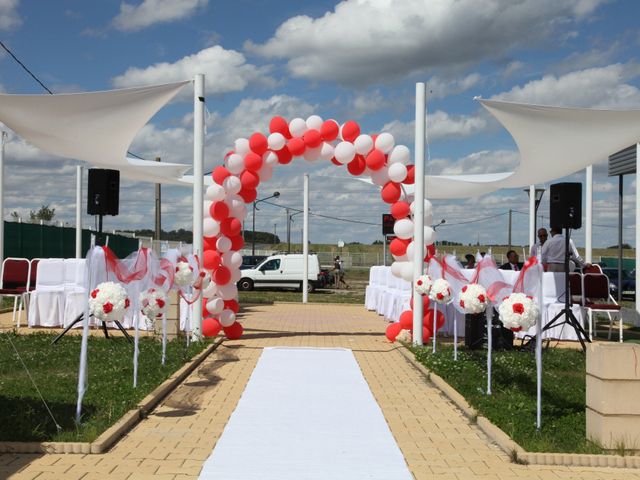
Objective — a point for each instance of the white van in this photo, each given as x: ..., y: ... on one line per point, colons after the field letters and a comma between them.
x: 281, y: 271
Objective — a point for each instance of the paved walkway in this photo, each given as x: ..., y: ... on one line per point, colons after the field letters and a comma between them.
x: 435, y: 438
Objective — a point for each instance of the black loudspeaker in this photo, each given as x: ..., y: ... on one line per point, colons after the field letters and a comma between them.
x: 475, y: 328
x: 565, y: 206
x: 103, y: 196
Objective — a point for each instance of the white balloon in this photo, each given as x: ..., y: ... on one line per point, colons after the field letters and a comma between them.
x: 236, y: 274
x: 429, y: 235
x: 428, y: 219
x: 234, y: 163
x: 223, y: 244
x: 397, y: 172
x: 232, y: 184
x: 215, y: 306
x: 385, y: 142
x: 206, y: 206
x: 228, y: 291
x: 269, y: 158
x: 403, y: 228
x: 276, y: 141
x: 241, y: 146
x: 215, y: 192
x: 312, y: 154
x: 396, y: 268
x: 210, y: 290
x: 326, y: 151
x: 400, y: 258
x: 265, y: 173
x: 407, y: 271
x: 210, y: 227
x: 399, y: 154
x: 240, y: 212
x: 411, y: 248
x: 297, y: 127
x: 227, y: 317
x: 380, y: 177
x: 315, y: 122
x: 363, y: 144
x: 344, y: 152
x: 428, y: 208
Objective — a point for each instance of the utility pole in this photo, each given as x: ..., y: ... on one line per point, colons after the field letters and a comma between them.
x: 288, y: 232
x: 509, y: 240
x: 275, y: 232
x: 158, y: 212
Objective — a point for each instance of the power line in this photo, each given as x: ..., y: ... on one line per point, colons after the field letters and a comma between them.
x: 324, y: 216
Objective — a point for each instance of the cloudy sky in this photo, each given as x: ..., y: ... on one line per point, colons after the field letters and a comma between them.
x: 354, y: 59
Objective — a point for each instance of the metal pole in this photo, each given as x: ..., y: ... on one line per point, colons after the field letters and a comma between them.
x: 637, y: 237
x: 588, y: 228
x: 620, y: 191
x: 532, y: 217
x: 509, y: 239
x: 253, y: 231
x: 158, y: 211
x: 305, y: 241
x: 198, y: 198
x: 78, y: 211
x: 288, y: 232
x: 384, y: 250
x: 3, y: 137
x: 418, y: 208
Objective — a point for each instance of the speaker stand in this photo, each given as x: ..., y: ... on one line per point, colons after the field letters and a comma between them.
x: 104, y: 329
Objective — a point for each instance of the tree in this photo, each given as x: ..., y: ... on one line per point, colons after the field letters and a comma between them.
x: 45, y: 213
x: 15, y: 215
x: 377, y: 242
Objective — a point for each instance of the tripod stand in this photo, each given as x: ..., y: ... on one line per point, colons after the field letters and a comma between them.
x: 566, y: 312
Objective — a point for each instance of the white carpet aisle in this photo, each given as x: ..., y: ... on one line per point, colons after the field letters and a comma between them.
x: 306, y: 414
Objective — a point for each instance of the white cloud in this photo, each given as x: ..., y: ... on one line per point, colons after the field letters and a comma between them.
x: 485, y: 161
x: 440, y: 125
x: 9, y: 17
x: 225, y: 71
x: 441, y: 88
x: 593, y: 87
x: 152, y: 12
x: 367, y: 41
x: 512, y: 68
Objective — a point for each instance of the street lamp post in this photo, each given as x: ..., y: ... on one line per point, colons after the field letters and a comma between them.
x: 539, y: 193
x: 289, y: 221
x: 253, y: 228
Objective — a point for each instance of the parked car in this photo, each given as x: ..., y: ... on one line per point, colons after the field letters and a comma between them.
x: 250, y: 261
x: 281, y: 271
x: 628, y: 283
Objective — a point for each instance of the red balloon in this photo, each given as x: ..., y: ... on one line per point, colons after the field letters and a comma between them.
x: 391, y: 192
x: 284, y: 155
x: 398, y: 246
x: 350, y: 131
x: 406, y: 320
x: 258, y: 143
x: 411, y: 175
x: 205, y: 312
x: 335, y: 162
x: 209, y: 243
x: 237, y: 243
x: 219, y: 174
x: 393, y: 329
x: 219, y: 210
x: 232, y: 305
x: 253, y: 161
x: 426, y: 334
x: 279, y: 125
x: 428, y: 319
x: 249, y: 179
x: 296, y: 146
x: 329, y: 130
x: 230, y: 227
x: 400, y: 210
x: 312, y: 138
x: 376, y: 159
x: 431, y: 252
x: 222, y: 275
x: 211, y: 327
x: 248, y: 194
x: 357, y: 165
x: 234, y: 332
x: 211, y: 259
x: 425, y: 302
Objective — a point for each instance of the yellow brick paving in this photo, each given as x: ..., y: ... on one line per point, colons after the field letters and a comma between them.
x: 436, y: 439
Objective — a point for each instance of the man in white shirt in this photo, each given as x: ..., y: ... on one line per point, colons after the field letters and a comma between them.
x: 542, y: 237
x: 553, y: 253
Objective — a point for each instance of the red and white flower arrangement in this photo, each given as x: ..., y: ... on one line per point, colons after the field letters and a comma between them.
x: 153, y: 303
x: 440, y: 291
x: 108, y: 302
x: 518, y: 312
x: 423, y: 285
x: 473, y: 298
x: 184, y: 276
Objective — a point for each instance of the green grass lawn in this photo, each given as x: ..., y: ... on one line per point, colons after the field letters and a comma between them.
x: 512, y: 405
x: 54, y: 368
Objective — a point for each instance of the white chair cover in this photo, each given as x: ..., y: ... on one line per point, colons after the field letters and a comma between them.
x: 46, y: 305
x: 75, y: 294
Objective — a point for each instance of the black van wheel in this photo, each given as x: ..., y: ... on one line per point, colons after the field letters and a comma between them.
x: 245, y: 284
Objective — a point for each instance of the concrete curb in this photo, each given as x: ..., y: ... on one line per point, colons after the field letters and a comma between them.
x: 506, y: 444
x: 130, y: 419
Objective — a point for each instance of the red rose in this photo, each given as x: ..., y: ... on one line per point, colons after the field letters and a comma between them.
x: 107, y: 307
x: 94, y: 294
x: 202, y: 274
x: 439, y: 296
x: 462, y: 303
x: 177, y: 269
x: 126, y: 303
x: 518, y: 308
x: 464, y: 289
x: 516, y: 329
x: 419, y: 282
x: 190, y: 268
x: 481, y: 298
x: 160, y: 302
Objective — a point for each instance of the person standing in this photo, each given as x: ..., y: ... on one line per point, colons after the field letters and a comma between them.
x: 542, y: 238
x: 553, y: 252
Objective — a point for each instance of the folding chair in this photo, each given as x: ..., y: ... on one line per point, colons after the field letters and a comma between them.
x: 14, y: 282
x: 598, y: 299
x: 47, y: 300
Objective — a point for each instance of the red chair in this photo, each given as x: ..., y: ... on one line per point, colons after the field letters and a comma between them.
x: 598, y: 299
x: 14, y: 282
x: 593, y: 268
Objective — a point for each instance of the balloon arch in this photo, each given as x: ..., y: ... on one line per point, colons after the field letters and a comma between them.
x: 253, y: 160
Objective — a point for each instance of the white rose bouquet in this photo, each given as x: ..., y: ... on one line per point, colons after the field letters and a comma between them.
x: 153, y: 303
x: 519, y: 312
x: 440, y: 291
x: 184, y: 275
x: 473, y: 298
x: 423, y: 285
x: 108, y: 302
